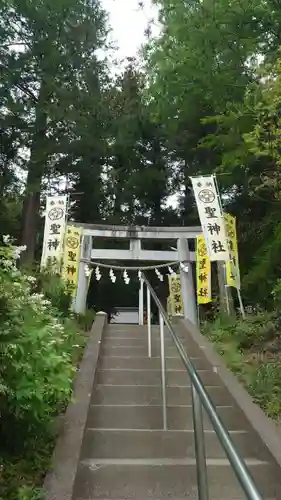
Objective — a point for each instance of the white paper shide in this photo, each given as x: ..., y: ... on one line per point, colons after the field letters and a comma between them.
x: 211, y: 217
x: 55, y: 223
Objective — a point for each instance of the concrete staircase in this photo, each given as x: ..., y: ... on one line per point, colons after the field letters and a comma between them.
x: 125, y: 453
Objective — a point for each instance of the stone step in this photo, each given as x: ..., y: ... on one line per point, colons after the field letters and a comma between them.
x: 114, y: 329
x: 146, y: 363
x: 137, y: 351
x: 105, y: 480
x: 130, y: 328
x: 137, y: 332
x: 141, y: 332
x: 163, y: 444
x: 150, y: 417
x: 123, y: 395
x: 143, y: 339
x: 143, y: 344
x: 152, y: 377
x: 138, y: 344
x: 123, y: 326
x: 155, y: 337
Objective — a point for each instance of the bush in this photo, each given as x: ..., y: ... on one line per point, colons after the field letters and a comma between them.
x: 21, y: 477
x: 55, y: 290
x: 253, y: 332
x: 36, y: 351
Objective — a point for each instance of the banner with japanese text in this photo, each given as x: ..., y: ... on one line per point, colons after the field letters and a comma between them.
x: 203, y: 272
x: 71, y: 256
x: 232, y: 266
x: 211, y: 217
x: 55, y: 222
x: 175, y: 295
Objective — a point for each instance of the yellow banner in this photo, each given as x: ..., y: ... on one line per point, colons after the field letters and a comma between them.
x: 203, y: 272
x: 232, y: 266
x: 176, y: 303
x: 71, y: 255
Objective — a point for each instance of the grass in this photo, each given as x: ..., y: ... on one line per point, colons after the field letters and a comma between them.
x: 251, y: 348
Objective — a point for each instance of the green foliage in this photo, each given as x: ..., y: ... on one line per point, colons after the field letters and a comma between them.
x: 85, y: 321
x: 276, y: 293
x: 55, y: 290
x: 265, y: 387
x: 214, y: 85
x: 136, y: 185
x: 50, y: 94
x: 251, y: 349
x: 127, y: 143
x: 40, y: 349
x: 264, y: 139
x: 252, y: 332
x: 36, y: 351
x: 21, y: 478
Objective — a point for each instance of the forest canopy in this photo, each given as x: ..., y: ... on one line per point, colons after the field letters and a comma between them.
x: 203, y: 98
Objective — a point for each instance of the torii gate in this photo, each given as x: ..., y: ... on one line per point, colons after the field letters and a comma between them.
x: 135, y: 234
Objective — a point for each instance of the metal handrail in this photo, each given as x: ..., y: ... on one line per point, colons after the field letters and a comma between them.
x: 201, y: 398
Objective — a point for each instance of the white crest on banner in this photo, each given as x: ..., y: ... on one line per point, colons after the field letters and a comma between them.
x: 55, y: 223
x: 211, y: 217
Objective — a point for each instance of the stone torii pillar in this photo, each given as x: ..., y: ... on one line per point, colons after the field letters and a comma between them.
x: 80, y: 301
x: 187, y: 283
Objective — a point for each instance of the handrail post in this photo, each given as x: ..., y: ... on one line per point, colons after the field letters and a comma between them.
x: 163, y: 370
x: 148, y: 300
x: 141, y: 302
x: 199, y: 442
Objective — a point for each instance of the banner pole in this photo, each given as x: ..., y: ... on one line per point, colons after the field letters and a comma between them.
x: 64, y: 236
x: 242, y: 310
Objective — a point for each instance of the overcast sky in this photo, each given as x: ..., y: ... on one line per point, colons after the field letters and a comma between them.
x: 129, y: 22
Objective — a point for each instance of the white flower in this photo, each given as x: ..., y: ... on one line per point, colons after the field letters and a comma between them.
x: 6, y: 238
x: 8, y: 263
x: 31, y: 279
x: 17, y: 251
x: 37, y: 296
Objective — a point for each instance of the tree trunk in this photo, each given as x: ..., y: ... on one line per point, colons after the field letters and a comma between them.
x: 38, y: 157
x: 31, y: 208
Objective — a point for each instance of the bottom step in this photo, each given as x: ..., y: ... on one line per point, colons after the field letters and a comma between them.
x: 101, y: 481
